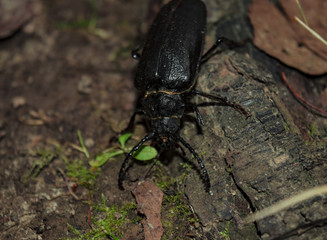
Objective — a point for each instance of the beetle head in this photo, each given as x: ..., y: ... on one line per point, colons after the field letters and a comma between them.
x: 165, y: 110
x: 165, y: 142
x: 164, y: 128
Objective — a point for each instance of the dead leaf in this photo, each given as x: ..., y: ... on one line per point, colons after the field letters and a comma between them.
x: 316, y: 14
x: 276, y: 35
x: 36, y: 117
x: 149, y: 198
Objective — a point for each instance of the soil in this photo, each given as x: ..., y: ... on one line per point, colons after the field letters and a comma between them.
x: 58, y: 76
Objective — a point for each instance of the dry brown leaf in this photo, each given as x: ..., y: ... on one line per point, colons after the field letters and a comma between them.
x: 149, y: 198
x: 275, y: 34
x: 316, y: 14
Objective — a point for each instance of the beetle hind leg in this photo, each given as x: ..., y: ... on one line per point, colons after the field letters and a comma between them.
x: 223, y: 101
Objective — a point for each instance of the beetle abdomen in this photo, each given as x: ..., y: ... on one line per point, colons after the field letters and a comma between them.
x: 172, y: 53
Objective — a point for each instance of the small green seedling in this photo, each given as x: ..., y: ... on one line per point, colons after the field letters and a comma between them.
x: 84, y: 150
x: 123, y: 138
x: 87, y: 175
x: 145, y: 153
x: 46, y: 157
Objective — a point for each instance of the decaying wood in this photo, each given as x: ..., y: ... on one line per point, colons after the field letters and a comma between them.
x: 258, y: 161
x: 254, y: 162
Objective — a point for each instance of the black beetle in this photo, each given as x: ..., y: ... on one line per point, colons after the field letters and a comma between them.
x: 167, y: 74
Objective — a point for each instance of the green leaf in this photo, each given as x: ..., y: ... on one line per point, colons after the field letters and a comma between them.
x: 145, y: 153
x: 82, y: 144
x: 123, y: 138
x: 104, y: 157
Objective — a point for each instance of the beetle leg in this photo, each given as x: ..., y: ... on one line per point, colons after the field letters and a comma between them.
x: 224, y: 101
x: 130, y: 125
x: 230, y: 44
x: 135, y: 54
x: 135, y: 148
x: 207, y: 55
x: 198, y: 115
x: 197, y: 157
x: 194, y: 108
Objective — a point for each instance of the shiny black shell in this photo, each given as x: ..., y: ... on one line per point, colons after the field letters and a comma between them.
x: 172, y: 53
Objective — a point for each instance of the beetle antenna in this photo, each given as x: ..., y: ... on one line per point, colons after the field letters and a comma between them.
x: 135, y: 148
x: 197, y: 157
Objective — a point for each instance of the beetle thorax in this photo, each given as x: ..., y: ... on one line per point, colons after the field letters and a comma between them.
x: 165, y: 111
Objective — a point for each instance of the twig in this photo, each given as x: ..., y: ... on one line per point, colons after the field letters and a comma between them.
x: 301, y: 11
x: 67, y: 184
x: 287, y: 203
x: 314, y: 33
x: 297, y: 96
x: 89, y: 210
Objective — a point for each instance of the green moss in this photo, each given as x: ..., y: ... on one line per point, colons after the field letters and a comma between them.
x: 176, y: 216
x: 109, y: 221
x: 287, y: 126
x: 225, y: 233
x: 312, y: 130
x: 81, y: 173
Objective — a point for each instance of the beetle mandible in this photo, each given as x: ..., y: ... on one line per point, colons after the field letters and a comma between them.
x: 167, y: 73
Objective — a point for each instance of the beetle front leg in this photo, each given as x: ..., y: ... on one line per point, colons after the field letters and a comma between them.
x: 130, y: 125
x: 135, y: 148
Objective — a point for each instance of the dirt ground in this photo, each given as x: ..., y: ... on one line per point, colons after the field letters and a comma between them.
x: 59, y: 73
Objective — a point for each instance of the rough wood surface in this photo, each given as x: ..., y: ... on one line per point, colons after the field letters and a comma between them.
x: 254, y: 162
x: 258, y: 161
